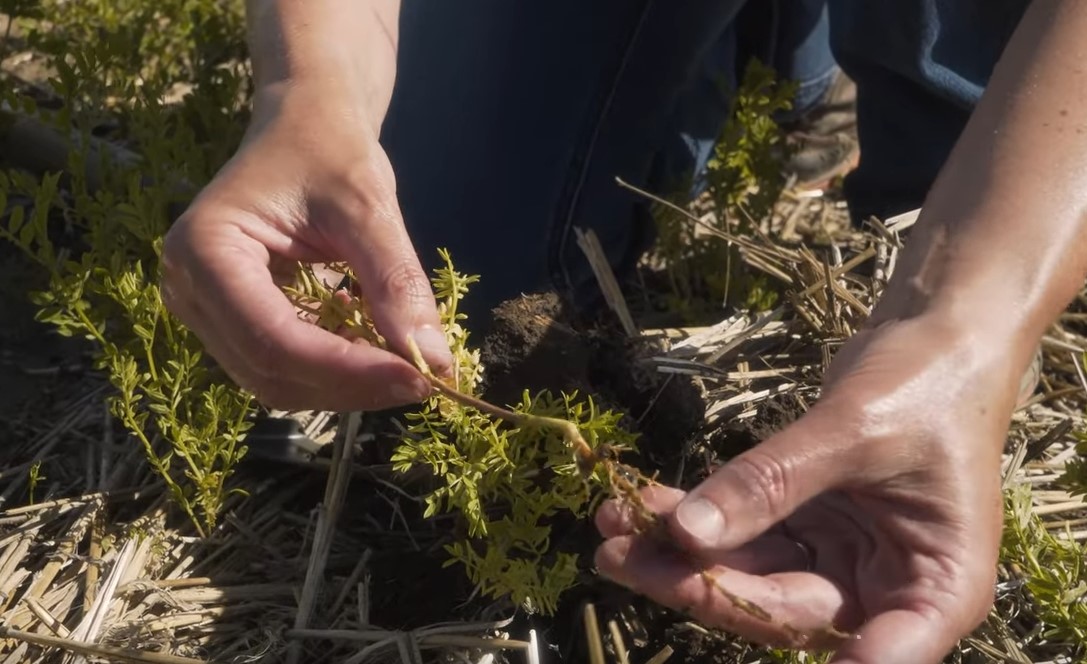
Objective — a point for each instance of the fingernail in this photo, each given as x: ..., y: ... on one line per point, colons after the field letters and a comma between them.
x: 702, y: 520
x: 435, y: 348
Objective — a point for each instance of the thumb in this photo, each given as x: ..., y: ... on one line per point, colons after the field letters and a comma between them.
x: 390, y: 276
x: 762, y: 486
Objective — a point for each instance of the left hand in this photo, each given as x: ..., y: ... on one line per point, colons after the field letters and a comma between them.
x: 878, y: 512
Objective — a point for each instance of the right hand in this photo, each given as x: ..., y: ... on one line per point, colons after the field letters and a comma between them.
x: 309, y: 183
x: 878, y: 511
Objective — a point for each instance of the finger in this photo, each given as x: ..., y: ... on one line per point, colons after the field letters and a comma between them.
x: 773, y: 610
x: 615, y: 518
x: 174, y: 289
x: 373, y: 238
x: 901, y: 637
x: 291, y: 363
x: 189, y: 313
x: 761, y: 487
x: 769, y: 554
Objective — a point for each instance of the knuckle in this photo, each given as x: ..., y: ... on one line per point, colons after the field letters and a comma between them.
x: 171, y: 300
x: 174, y: 255
x: 260, y: 378
x: 765, y: 480
x: 403, y: 281
x: 172, y: 242
x: 182, y: 252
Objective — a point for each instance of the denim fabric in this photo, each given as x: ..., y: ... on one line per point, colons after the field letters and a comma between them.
x: 793, y: 36
x: 920, y: 67
x: 790, y: 35
x: 511, y: 120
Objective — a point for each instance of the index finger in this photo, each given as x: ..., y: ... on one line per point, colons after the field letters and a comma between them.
x: 794, y: 602
x: 296, y: 364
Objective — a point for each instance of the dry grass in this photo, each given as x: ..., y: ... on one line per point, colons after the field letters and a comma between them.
x: 97, y: 569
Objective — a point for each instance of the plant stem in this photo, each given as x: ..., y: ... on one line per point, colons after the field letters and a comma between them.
x: 567, y: 428
x: 516, y: 419
x: 149, y: 346
x: 129, y: 419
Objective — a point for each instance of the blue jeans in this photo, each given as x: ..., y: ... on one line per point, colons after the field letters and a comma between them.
x: 511, y: 120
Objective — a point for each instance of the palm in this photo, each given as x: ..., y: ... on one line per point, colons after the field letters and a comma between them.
x: 884, y: 554
x: 877, y: 513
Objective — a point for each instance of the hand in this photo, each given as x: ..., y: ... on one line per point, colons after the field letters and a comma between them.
x: 310, y: 183
x: 890, y: 484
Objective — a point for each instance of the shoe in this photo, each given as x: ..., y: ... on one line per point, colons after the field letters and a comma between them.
x: 823, y: 141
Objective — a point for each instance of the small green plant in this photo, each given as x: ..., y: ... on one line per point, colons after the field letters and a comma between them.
x: 1074, y: 477
x: 745, y: 171
x: 1054, y: 570
x: 34, y: 478
x: 98, y: 239
x: 744, y: 179
x: 507, y: 473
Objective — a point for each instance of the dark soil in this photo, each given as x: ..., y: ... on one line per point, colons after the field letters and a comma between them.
x: 535, y: 343
x: 774, y: 415
x: 36, y: 364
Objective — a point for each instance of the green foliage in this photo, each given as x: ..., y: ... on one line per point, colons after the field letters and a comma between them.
x: 97, y: 236
x: 744, y: 180
x: 797, y: 657
x: 1074, y: 477
x: 175, y: 41
x: 34, y: 478
x: 1053, y: 568
x: 745, y: 171
x: 507, y: 483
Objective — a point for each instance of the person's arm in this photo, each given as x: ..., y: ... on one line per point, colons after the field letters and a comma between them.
x: 344, y: 48
x: 310, y: 183
x: 891, y: 482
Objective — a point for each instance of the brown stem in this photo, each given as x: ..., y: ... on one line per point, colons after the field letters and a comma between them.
x: 516, y: 419
x: 567, y: 428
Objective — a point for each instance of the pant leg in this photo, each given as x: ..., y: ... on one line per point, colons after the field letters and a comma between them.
x: 792, y: 36
x: 510, y: 121
x: 802, y: 51
x: 920, y: 67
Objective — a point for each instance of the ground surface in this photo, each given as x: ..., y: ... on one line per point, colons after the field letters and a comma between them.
x: 91, y: 552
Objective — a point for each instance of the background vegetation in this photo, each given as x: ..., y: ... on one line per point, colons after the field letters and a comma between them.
x: 152, y: 97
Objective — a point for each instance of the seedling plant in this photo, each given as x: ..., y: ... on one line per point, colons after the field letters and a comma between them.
x: 487, y: 456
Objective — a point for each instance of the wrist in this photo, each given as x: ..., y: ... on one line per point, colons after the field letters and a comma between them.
x: 311, y: 103
x: 953, y: 276
x: 986, y: 335
x: 324, y: 53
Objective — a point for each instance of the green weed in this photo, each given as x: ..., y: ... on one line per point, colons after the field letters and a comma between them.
x: 98, y: 234
x: 744, y: 180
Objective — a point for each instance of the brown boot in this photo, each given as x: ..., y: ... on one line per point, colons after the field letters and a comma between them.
x: 824, y: 140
